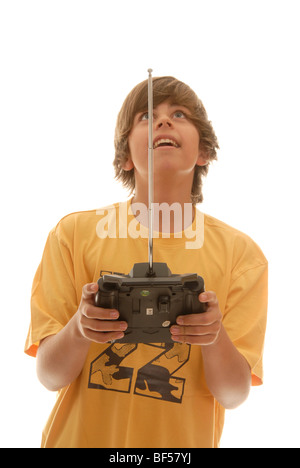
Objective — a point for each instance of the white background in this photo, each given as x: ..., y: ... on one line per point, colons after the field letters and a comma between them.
x: 66, y: 67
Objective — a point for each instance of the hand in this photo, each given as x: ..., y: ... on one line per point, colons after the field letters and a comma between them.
x: 200, y: 329
x: 97, y: 324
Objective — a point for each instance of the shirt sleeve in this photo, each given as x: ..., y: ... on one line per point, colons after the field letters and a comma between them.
x: 246, y: 315
x: 53, y: 299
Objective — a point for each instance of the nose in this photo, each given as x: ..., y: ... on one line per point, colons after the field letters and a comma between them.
x: 163, y: 121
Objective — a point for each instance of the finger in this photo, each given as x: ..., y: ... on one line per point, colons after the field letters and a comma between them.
x: 195, y: 330
x: 103, y: 337
x: 89, y: 290
x: 93, y: 312
x: 206, y: 318
x: 103, y: 325
x: 208, y: 296
x: 204, y: 340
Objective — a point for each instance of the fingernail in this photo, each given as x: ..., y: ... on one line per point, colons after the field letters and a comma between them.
x: 175, y: 330
x: 175, y: 338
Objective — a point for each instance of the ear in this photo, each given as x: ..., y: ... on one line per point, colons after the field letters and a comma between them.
x: 128, y: 164
x: 202, y: 158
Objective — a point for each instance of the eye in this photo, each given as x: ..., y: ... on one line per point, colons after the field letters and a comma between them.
x: 179, y: 114
x: 144, y: 116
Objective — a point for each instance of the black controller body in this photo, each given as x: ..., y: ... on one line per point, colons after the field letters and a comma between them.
x: 150, y: 304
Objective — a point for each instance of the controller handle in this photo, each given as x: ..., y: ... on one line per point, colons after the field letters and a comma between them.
x: 107, y: 295
x: 192, y: 304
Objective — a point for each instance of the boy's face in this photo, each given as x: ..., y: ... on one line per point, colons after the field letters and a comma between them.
x: 175, y: 142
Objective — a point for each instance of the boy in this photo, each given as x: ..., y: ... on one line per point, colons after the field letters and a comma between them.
x: 149, y: 395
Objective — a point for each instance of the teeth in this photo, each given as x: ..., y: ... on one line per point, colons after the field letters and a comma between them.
x: 165, y: 140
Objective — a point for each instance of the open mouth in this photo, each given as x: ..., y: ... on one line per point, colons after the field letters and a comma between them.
x: 165, y: 142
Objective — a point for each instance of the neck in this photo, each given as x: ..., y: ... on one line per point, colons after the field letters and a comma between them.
x: 172, y: 208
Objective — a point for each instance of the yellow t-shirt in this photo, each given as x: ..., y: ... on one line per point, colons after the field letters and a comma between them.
x: 145, y: 395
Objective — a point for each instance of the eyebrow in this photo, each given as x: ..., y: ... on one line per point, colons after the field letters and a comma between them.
x: 187, y: 110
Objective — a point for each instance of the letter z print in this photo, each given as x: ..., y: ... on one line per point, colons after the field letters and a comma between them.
x: 148, y: 370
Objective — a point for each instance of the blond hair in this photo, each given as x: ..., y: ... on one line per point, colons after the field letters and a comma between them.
x: 164, y: 88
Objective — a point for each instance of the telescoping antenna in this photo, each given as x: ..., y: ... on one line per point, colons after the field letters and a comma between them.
x: 150, y: 171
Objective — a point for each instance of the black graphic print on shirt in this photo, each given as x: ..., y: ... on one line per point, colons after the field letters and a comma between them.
x: 158, y: 377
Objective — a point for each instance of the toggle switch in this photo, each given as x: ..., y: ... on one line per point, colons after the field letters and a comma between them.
x: 164, y: 304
